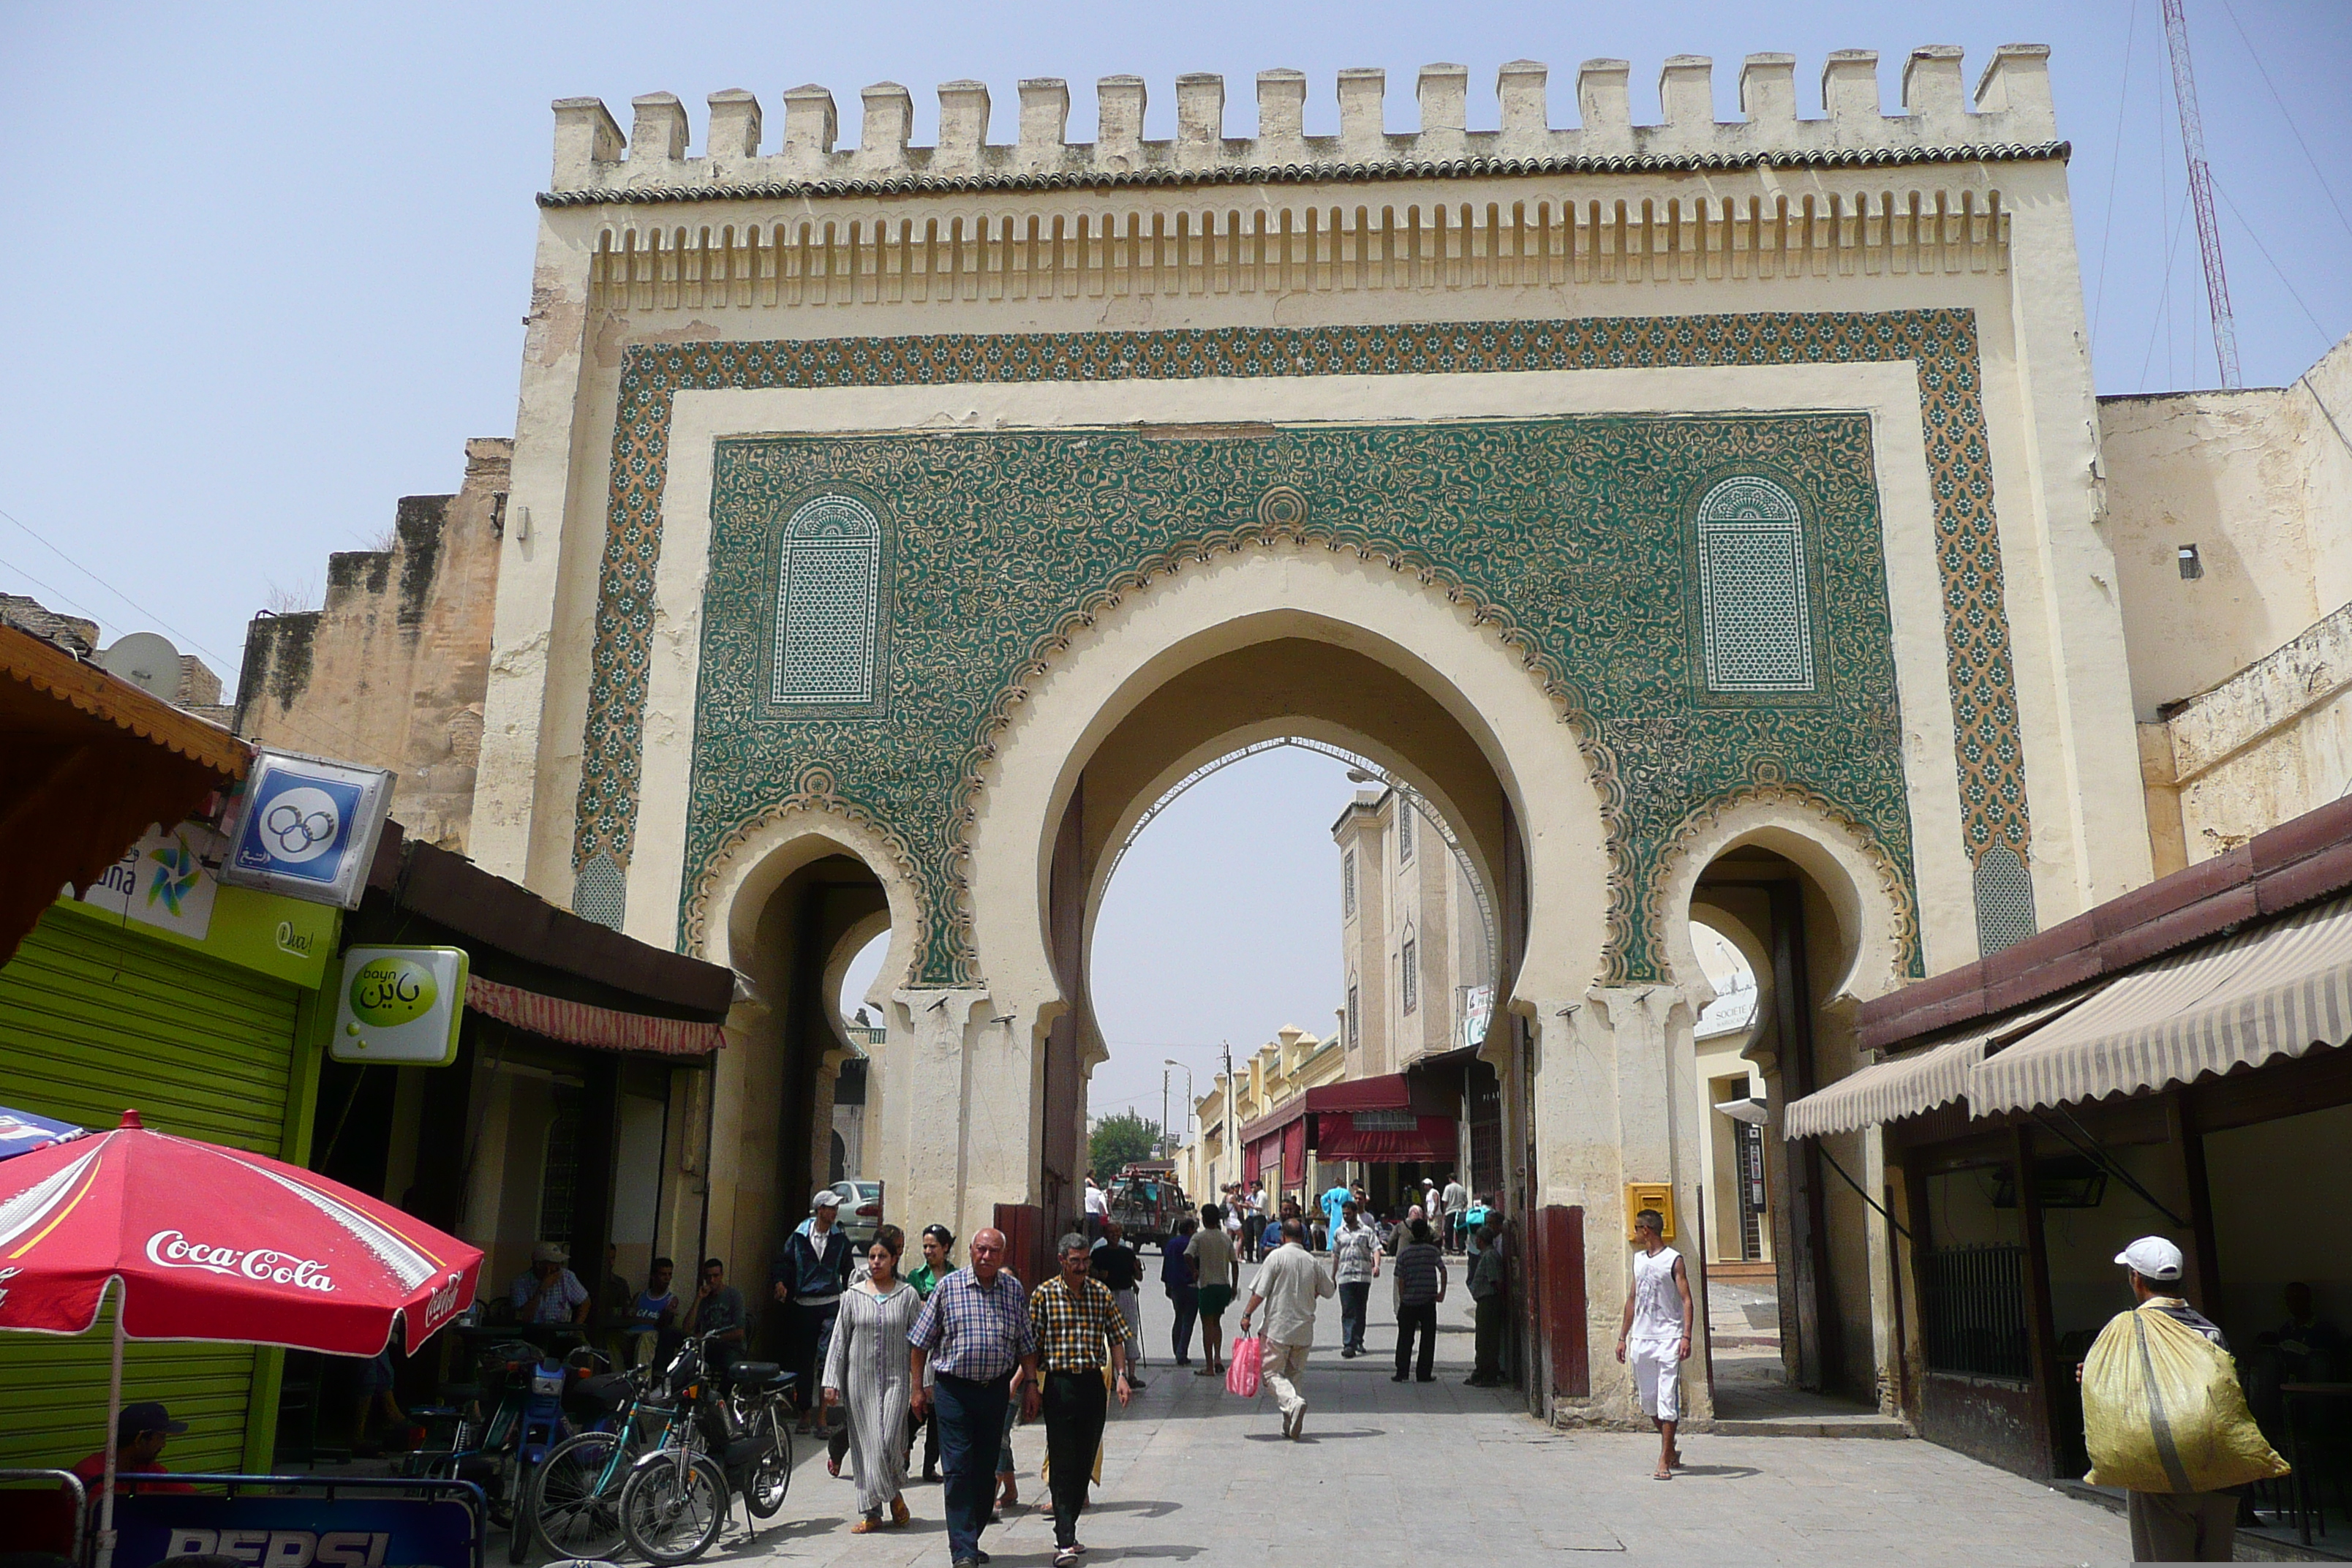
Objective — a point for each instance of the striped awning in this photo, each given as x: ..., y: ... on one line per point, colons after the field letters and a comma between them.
x: 1910, y: 1084
x: 2276, y: 991
x: 599, y: 1028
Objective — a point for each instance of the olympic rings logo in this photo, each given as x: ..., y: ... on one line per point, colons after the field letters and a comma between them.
x: 299, y: 825
x: 296, y: 831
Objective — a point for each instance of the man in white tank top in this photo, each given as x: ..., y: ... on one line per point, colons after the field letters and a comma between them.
x: 1656, y: 1335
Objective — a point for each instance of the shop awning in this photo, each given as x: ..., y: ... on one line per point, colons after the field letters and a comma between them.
x: 600, y: 1028
x: 2276, y: 990
x: 1906, y: 1085
x: 1386, y: 1135
x: 1273, y: 1122
x: 88, y: 762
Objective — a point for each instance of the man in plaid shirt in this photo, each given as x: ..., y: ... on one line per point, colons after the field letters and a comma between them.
x: 1077, y: 1323
x: 973, y: 1334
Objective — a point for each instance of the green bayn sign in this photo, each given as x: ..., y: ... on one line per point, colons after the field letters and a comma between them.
x: 400, y: 1005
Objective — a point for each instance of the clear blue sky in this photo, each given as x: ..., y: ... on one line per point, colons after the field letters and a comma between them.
x: 267, y: 266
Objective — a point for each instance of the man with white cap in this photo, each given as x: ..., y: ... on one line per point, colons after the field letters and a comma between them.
x: 2174, y: 1526
x: 549, y: 1292
x: 811, y: 1271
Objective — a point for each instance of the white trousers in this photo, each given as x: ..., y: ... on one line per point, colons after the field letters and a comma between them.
x: 1130, y: 1306
x: 1280, y: 1367
x: 1658, y: 1377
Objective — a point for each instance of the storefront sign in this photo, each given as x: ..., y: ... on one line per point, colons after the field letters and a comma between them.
x: 318, y: 1533
x: 162, y: 880
x: 163, y: 885
x: 400, y: 1005
x: 307, y: 828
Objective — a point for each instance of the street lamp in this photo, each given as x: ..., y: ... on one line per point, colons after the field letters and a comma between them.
x: 1167, y: 1062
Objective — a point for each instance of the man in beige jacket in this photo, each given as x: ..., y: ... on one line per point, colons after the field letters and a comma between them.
x: 1289, y: 1284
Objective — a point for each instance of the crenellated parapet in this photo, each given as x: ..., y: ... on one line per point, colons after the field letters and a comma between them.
x: 2007, y: 115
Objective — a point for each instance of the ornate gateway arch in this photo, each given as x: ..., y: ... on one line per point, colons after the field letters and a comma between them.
x: 893, y: 524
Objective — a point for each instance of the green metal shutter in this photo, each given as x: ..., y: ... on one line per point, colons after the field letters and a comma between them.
x: 94, y: 1018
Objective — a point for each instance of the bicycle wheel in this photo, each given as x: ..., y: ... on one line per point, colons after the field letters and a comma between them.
x: 526, y: 1476
x: 671, y: 1509
x: 575, y: 1498
x: 773, y: 1475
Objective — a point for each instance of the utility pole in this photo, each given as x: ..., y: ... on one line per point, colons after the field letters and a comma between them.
x: 1231, y: 1132
x: 2200, y: 195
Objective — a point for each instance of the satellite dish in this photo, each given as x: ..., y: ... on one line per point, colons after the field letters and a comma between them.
x: 148, y: 661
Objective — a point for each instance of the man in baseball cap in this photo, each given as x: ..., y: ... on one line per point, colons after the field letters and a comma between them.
x: 2174, y: 1526
x: 139, y: 1435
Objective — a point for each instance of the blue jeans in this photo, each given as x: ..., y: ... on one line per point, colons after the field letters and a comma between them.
x: 1354, y: 1294
x: 1185, y: 1302
x: 972, y: 1430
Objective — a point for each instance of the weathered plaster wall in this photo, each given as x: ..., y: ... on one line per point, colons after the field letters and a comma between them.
x: 2260, y: 481
x: 2271, y: 743
x: 393, y: 670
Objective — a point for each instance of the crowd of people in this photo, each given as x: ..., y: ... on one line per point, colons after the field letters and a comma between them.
x: 954, y: 1357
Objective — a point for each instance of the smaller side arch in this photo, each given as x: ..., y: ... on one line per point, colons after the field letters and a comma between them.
x: 723, y: 906
x: 1872, y: 899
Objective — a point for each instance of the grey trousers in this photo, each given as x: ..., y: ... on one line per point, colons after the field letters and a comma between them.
x: 2182, y: 1527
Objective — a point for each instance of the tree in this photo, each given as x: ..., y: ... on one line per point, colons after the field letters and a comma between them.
x: 1118, y: 1140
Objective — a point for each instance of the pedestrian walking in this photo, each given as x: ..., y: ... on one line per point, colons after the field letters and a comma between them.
x: 2181, y: 1525
x: 1097, y: 1207
x: 1655, y: 1336
x: 974, y: 1338
x: 938, y: 1258
x: 811, y: 1271
x: 1217, y: 1268
x: 1457, y: 1204
x: 1120, y: 1269
x: 864, y: 1369
x: 1334, y: 1201
x: 1289, y: 1284
x: 1490, y: 1303
x: 1178, y: 1277
x: 1079, y: 1331
x: 1421, y: 1283
x: 1355, y: 1264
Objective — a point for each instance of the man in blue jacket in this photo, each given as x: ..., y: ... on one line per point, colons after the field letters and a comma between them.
x: 811, y: 1270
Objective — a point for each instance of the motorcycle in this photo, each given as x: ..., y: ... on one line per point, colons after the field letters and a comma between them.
x: 734, y: 1437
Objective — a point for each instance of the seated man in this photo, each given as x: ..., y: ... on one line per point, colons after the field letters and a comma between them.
x: 138, y: 1436
x: 549, y: 1292
x: 652, y: 1326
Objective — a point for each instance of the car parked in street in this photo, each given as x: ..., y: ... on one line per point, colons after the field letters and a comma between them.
x: 861, y: 1210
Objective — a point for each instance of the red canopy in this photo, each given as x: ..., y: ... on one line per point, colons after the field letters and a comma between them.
x: 216, y: 1243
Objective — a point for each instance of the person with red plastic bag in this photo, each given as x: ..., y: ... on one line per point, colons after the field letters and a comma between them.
x: 1288, y: 1285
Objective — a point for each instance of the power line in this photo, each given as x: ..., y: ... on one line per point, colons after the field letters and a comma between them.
x: 311, y: 725
x: 2293, y: 130
x: 2115, y: 167
x: 62, y: 596
x: 2325, y: 339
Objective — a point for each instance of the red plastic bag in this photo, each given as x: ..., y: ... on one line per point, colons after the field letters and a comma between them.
x: 1242, y: 1368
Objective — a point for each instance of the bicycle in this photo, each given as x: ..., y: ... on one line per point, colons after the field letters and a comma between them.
x: 573, y: 1505
x: 719, y: 1443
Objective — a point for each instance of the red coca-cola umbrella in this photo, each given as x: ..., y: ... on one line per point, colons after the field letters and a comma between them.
x: 208, y: 1242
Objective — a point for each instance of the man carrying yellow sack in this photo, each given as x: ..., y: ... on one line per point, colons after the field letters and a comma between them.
x: 2164, y: 1419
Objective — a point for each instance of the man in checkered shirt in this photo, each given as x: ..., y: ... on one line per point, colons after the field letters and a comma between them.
x: 973, y: 1336
x: 1079, y: 1323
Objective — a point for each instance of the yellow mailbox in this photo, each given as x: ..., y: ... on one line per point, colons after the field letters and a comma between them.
x: 1658, y: 1195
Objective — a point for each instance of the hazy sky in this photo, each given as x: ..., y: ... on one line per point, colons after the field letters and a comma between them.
x: 266, y: 267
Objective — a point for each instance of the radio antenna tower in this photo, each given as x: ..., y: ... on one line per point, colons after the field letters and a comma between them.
x: 2200, y: 193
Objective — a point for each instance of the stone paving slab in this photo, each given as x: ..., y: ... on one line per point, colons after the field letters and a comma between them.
x: 1436, y: 1473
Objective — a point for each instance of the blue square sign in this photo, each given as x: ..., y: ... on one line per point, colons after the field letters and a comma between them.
x: 307, y: 828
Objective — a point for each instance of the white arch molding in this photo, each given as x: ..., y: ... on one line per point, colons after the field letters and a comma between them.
x: 1874, y: 911
x: 1232, y: 601
x: 1388, y: 777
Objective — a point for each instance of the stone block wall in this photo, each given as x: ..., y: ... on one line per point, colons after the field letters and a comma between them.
x: 392, y: 670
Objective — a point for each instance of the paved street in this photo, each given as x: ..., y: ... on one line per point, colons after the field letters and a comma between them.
x: 1411, y: 1473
